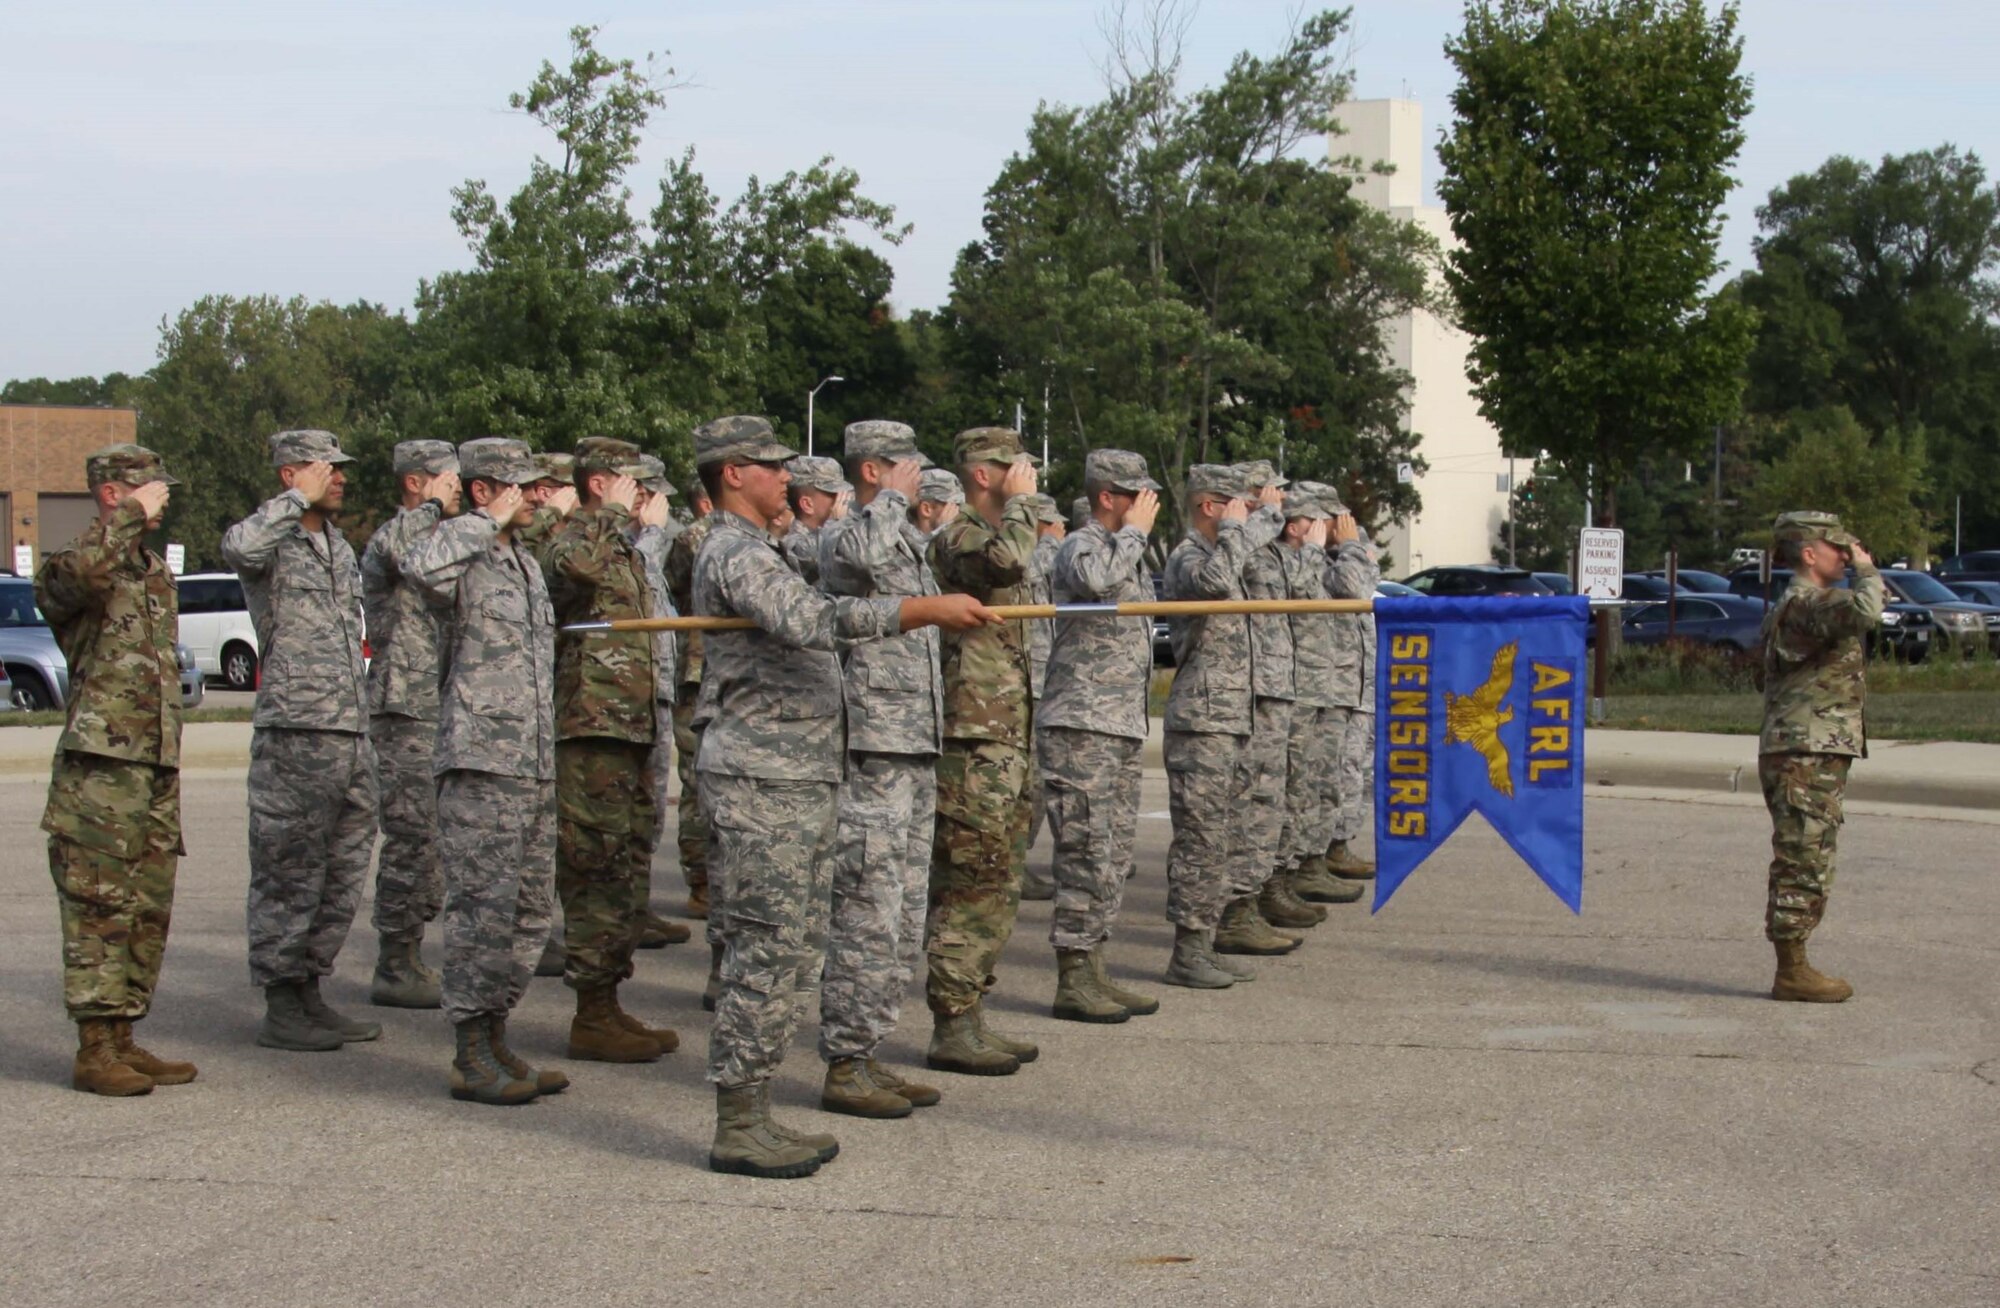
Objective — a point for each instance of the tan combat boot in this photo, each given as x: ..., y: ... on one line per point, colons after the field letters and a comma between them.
x: 712, y: 991
x: 746, y: 1143
x: 1244, y: 931
x: 665, y: 1037
x: 850, y: 1089
x: 98, y: 1068
x: 1801, y: 982
x: 697, y: 905
x: 919, y: 1094
x: 959, y: 1045
x: 1316, y: 885
x: 546, y: 1080
x: 1281, y: 908
x: 162, y: 1071
x: 1078, y: 996
x: 596, y: 1035
x: 1135, y: 1003
x: 1025, y: 1051
x: 1343, y: 862
x: 401, y: 979
x: 656, y: 932
x: 1193, y: 966
x: 477, y: 1076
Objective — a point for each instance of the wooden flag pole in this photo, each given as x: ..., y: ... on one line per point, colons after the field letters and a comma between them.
x: 1148, y: 609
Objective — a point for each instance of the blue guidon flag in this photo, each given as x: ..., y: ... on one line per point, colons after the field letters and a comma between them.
x: 1479, y: 706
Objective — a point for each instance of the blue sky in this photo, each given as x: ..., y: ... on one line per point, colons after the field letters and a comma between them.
x: 157, y: 152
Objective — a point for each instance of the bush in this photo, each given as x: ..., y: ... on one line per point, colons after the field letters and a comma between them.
x: 1681, y: 667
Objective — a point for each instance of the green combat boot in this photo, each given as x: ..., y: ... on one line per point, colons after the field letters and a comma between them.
x: 477, y: 1076
x: 159, y: 1070
x: 656, y: 932
x: 1193, y: 966
x: 958, y: 1045
x: 1316, y: 885
x: 746, y: 1143
x: 98, y: 1069
x: 1801, y: 982
x: 546, y: 1080
x: 919, y: 1094
x: 399, y: 978
x: 1281, y: 908
x: 1135, y: 1003
x: 1078, y: 996
x: 554, y: 957
x: 1025, y: 1050
x: 1343, y: 862
x: 332, y: 1019
x: 824, y: 1147
x: 850, y: 1089
x: 287, y: 1025
x: 1244, y: 931
x: 713, y: 990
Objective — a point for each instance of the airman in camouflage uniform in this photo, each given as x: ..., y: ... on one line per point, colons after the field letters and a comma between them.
x: 1050, y: 527
x: 1330, y: 673
x: 940, y: 498
x: 653, y: 535
x: 553, y: 493
x: 771, y: 763
x: 312, y: 770
x: 888, y: 801
x: 607, y: 689
x: 1091, y: 728
x: 402, y: 724
x: 690, y: 826
x: 982, y: 802
x: 1815, y: 689
x: 1351, y: 573
x: 818, y: 498
x: 114, y: 807
x: 495, y: 766
x: 1210, y: 771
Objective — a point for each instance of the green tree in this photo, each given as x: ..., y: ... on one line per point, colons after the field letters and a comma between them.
x: 1877, y: 289
x: 114, y: 390
x: 1834, y: 464
x: 1584, y: 172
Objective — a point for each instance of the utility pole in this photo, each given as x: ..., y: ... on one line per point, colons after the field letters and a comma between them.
x: 811, y: 395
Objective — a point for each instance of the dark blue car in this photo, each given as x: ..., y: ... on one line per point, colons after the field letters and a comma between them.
x: 1728, y: 622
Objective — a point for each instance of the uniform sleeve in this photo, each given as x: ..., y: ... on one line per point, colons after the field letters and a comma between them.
x: 980, y: 558
x: 1830, y: 613
x: 251, y: 544
x: 857, y: 548
x: 653, y: 544
x: 1096, y: 573
x: 71, y: 579
x: 436, y: 562
x: 592, y: 546
x: 1219, y: 572
x: 1351, y: 572
x: 755, y: 584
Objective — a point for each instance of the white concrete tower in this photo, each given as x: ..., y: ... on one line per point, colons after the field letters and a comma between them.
x: 1465, y: 497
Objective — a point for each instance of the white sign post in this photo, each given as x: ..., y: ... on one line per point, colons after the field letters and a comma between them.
x: 177, y: 558
x: 24, y: 560
x: 1600, y: 563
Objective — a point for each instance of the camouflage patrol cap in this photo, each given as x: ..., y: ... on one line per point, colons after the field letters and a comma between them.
x: 496, y: 458
x: 1259, y: 473
x: 608, y: 454
x: 1079, y: 512
x: 1327, y: 497
x: 816, y: 472
x: 1214, y: 479
x: 431, y: 457
x: 1805, y: 525
x: 989, y: 445
x: 1121, y: 470
x: 879, y: 438
x: 126, y: 464
x: 655, y: 479
x: 743, y: 437
x: 307, y: 446
x: 1046, y: 510
x: 554, y: 465
x: 1300, y: 504
x: 937, y: 486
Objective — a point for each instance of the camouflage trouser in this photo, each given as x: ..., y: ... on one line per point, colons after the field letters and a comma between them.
x: 1312, y: 786
x: 1803, y: 792
x: 982, y: 828
x: 1093, y: 781
x: 881, y: 879
x: 691, y: 828
x: 1354, y: 779
x: 498, y: 842
x: 312, y: 828
x: 1209, y: 780
x: 409, y: 882
x: 114, y: 831
x: 1262, y: 846
x: 772, y: 861
x: 1038, y: 812
x: 604, y: 854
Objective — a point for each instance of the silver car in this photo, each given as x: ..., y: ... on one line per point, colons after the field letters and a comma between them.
x: 35, y: 664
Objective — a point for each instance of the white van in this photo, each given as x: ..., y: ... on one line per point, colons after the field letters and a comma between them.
x: 215, y: 624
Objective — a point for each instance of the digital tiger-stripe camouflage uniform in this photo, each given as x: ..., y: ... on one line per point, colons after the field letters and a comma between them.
x: 1329, y: 661
x: 982, y: 799
x: 1091, y: 729
x: 1035, y: 883
x: 1210, y: 771
x: 403, y: 725
x: 312, y: 781
x: 606, y: 691
x: 1815, y: 693
x: 652, y: 543
x: 1351, y: 573
x: 691, y: 831
x: 114, y: 806
x: 495, y: 771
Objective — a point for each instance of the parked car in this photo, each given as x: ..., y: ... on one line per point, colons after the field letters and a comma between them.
x: 1646, y: 586
x: 34, y: 663
x: 1728, y: 622
x: 1979, y: 592
x: 7, y: 704
x: 215, y: 624
x: 1386, y: 587
x: 1964, y: 624
x: 1978, y: 565
x: 1476, y: 579
x: 1906, y: 631
x: 1557, y: 582
x: 1694, y: 579
x: 1163, y: 635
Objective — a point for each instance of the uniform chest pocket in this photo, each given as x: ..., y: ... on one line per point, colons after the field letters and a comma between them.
x: 506, y: 606
x: 899, y: 672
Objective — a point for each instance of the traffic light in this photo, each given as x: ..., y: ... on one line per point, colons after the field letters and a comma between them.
x: 1528, y: 491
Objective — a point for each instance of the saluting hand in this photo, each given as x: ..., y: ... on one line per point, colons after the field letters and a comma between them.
x: 1857, y: 554
x: 506, y: 502
x: 1145, y: 507
x: 842, y: 501
x: 152, y: 497
x: 1021, y: 478
x: 622, y: 491
x: 562, y: 500
x: 1236, y: 509
x: 653, y: 513
x: 905, y: 476
x: 313, y: 481
x: 1316, y: 533
x: 445, y: 490
x: 1345, y: 529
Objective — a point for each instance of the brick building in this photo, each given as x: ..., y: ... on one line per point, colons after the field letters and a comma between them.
x: 44, y: 499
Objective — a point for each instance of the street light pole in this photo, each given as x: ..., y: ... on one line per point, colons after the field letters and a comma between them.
x: 812, y: 395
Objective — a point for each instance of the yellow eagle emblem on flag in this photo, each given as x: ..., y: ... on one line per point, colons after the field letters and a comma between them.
x: 1476, y: 719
